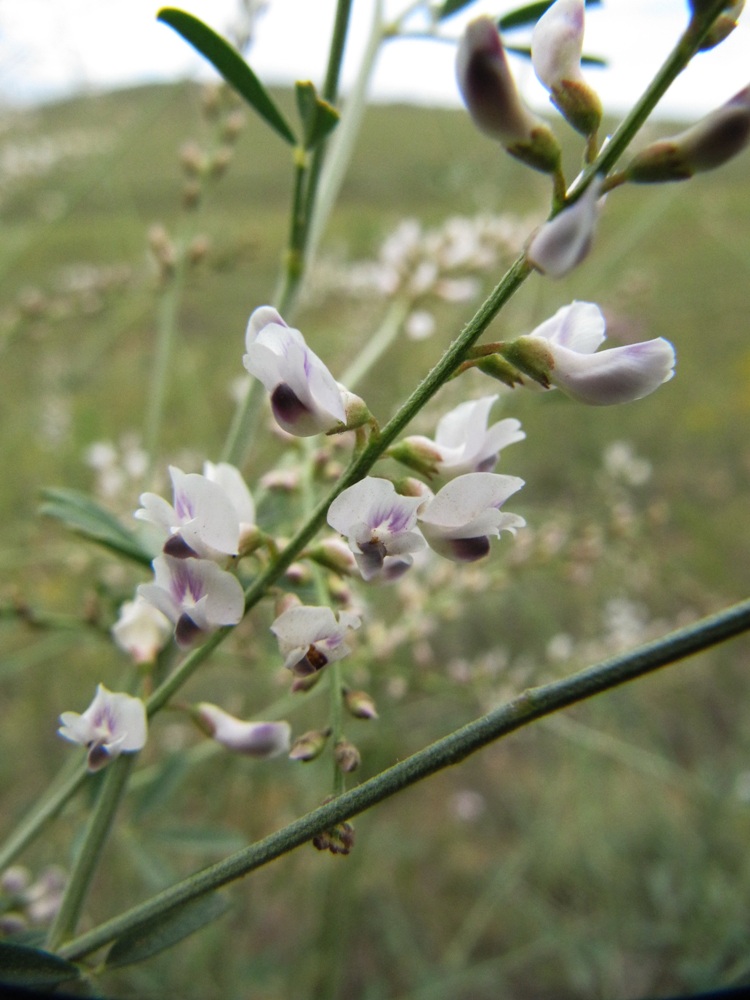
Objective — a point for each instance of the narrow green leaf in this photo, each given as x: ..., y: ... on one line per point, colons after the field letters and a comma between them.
x: 21, y: 965
x: 166, y: 930
x: 451, y: 7
x: 319, y: 118
x: 530, y: 14
x: 86, y: 517
x: 228, y: 62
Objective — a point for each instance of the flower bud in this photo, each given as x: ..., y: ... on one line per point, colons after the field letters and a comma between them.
x: 310, y: 745
x: 712, y: 141
x: 490, y: 94
x: 360, y: 704
x: 338, y: 840
x: 724, y: 24
x: 347, y: 756
x: 556, y: 46
x: 255, y: 739
x: 334, y: 554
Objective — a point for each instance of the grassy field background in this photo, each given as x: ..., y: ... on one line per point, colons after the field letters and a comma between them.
x: 600, y: 854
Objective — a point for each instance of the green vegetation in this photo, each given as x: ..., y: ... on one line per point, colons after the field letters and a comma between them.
x: 599, y: 854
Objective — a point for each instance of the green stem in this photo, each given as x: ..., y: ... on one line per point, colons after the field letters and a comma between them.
x: 378, y: 343
x: 165, y: 343
x: 687, y: 46
x: 532, y: 704
x: 90, y: 850
x: 70, y: 779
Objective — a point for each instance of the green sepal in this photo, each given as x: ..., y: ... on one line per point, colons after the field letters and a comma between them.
x: 86, y: 517
x: 21, y: 965
x: 166, y: 930
x: 228, y: 62
x: 497, y: 367
x: 319, y: 118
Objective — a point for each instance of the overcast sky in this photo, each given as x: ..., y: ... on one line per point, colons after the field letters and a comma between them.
x: 50, y: 48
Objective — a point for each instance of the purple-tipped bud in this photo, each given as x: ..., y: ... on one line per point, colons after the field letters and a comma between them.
x: 490, y: 94
x: 309, y: 745
x: 360, y: 704
x: 712, y: 141
x: 255, y: 739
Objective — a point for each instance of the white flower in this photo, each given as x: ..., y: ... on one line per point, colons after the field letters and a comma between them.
x: 141, y: 630
x: 113, y: 723
x: 377, y: 522
x: 311, y: 637
x: 195, y: 595
x: 556, y: 47
x: 305, y: 397
x: 203, y: 521
x: 557, y: 44
x: 460, y: 520
x: 256, y: 739
x: 563, y: 349
x: 463, y: 441
x: 562, y: 243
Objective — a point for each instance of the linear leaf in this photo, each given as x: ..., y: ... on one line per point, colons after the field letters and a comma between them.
x: 228, y: 62
x: 166, y: 930
x: 86, y: 517
x: 451, y: 7
x: 21, y: 965
x: 530, y: 14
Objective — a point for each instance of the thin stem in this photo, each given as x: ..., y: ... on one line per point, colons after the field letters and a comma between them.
x: 165, y: 343
x: 89, y: 852
x: 71, y: 778
x: 530, y: 705
x: 686, y: 47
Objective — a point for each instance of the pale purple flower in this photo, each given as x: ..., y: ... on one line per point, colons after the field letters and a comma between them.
x: 305, y: 397
x: 460, y: 520
x: 256, y: 739
x: 490, y: 95
x: 202, y: 520
x: 311, y: 637
x: 556, y: 48
x: 463, y: 441
x: 195, y: 594
x: 562, y: 243
x: 378, y: 523
x: 141, y: 630
x: 114, y: 723
x: 562, y: 351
